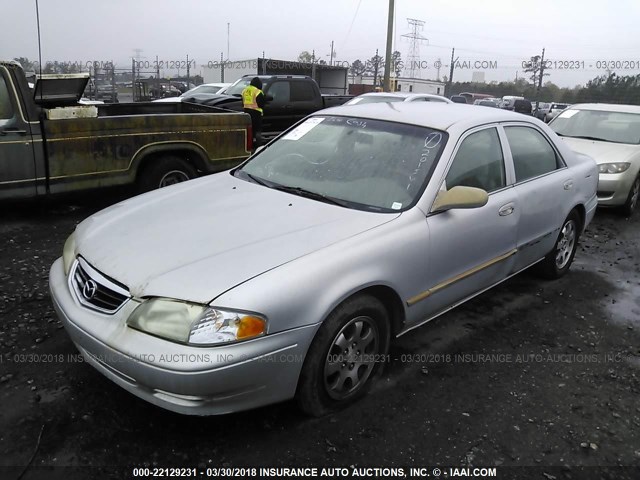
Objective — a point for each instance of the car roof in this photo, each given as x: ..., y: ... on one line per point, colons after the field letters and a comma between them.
x: 400, y: 94
x: 437, y: 115
x: 607, y: 107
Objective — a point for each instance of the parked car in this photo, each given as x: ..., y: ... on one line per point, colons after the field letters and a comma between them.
x: 52, y: 141
x: 508, y: 102
x: 289, y: 275
x: 391, y: 97
x: 522, y: 106
x: 458, y: 99
x: 487, y: 103
x: 554, y: 109
x: 611, y: 135
x: 289, y: 98
x: 199, y: 94
x: 541, y: 111
x: 102, y: 91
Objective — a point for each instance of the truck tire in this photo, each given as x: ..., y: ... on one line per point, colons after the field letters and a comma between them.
x: 163, y: 172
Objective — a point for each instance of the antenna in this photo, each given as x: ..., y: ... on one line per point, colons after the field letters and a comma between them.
x: 414, y: 49
x: 39, y: 46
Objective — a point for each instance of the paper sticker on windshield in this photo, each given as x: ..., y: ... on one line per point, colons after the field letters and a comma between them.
x: 301, y: 130
x: 396, y: 206
x: 568, y: 113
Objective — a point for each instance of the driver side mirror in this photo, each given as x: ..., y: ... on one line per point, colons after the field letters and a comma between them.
x: 268, y: 98
x: 460, y: 197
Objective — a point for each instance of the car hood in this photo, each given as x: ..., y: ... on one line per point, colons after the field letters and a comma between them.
x: 196, y: 240
x: 603, y: 152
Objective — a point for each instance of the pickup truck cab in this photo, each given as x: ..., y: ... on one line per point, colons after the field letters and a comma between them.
x: 49, y: 143
x: 290, y: 98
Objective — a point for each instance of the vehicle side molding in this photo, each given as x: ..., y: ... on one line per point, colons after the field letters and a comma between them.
x: 460, y: 197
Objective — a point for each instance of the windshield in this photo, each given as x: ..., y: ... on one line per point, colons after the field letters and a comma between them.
x: 369, y: 164
x: 203, y: 89
x: 375, y: 99
x: 237, y: 88
x: 608, y: 126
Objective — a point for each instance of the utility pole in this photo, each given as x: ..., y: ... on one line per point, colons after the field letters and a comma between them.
x: 313, y: 64
x: 540, y: 79
x: 387, y: 60
x: 453, y: 51
x: 438, y: 69
x: 228, y: 30
x: 331, y: 58
x: 375, y: 71
x: 188, y: 77
x: 221, y: 67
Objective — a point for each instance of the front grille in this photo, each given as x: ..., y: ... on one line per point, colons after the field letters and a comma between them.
x: 96, y: 291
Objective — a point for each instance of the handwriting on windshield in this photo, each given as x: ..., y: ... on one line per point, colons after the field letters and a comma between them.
x: 426, y: 155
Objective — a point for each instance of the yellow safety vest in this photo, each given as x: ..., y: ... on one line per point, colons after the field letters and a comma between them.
x: 249, y: 98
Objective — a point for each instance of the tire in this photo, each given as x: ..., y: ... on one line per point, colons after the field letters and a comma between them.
x: 165, y: 171
x: 332, y: 379
x: 558, y: 260
x: 632, y: 200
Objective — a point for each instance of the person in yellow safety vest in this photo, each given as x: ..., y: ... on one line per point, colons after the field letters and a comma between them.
x: 252, y: 102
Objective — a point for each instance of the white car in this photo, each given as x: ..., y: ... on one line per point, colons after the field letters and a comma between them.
x: 611, y: 135
x: 380, y: 97
x: 201, y: 92
x: 289, y: 275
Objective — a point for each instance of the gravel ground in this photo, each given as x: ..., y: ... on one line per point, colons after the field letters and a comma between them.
x: 531, y: 373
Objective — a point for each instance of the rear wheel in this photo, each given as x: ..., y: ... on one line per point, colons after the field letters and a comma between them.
x: 345, y: 357
x: 165, y: 171
x: 632, y: 200
x: 558, y: 260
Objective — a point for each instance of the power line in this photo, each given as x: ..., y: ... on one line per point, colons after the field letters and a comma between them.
x: 344, y: 42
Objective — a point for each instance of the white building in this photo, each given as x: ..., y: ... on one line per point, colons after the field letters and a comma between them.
x: 402, y: 84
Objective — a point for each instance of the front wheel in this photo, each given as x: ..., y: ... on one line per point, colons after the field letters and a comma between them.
x: 346, y: 355
x: 558, y: 260
x: 632, y: 200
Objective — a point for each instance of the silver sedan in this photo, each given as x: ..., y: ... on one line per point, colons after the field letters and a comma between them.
x: 290, y: 275
x: 611, y: 135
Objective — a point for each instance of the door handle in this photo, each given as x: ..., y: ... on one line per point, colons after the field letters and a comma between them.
x: 12, y: 130
x: 568, y: 185
x: 506, y: 210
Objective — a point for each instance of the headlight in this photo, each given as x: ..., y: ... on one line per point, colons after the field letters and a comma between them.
x: 69, y: 253
x: 194, y: 324
x: 613, y: 167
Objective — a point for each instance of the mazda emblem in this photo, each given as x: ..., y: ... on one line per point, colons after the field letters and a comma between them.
x: 89, y: 290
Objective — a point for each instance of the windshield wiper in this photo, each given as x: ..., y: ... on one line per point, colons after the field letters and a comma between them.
x: 309, y: 194
x: 587, y: 137
x: 254, y: 179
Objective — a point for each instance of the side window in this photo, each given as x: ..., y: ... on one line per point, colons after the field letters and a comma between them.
x: 302, y: 92
x: 532, y: 154
x: 478, y: 163
x: 6, y: 110
x: 280, y: 91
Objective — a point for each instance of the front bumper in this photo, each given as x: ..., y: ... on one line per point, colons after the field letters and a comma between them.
x: 613, y: 188
x: 181, y: 378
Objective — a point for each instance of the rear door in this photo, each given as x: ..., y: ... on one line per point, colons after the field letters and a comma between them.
x: 545, y: 189
x: 17, y: 160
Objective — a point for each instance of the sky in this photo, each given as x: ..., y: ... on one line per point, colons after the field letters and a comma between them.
x: 500, y: 35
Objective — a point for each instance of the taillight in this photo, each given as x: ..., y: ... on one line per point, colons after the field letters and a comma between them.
x: 249, y: 138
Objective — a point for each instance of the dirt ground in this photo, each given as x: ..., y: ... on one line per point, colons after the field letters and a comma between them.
x: 532, y: 373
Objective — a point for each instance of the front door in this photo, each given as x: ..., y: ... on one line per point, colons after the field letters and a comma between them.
x: 17, y: 161
x: 471, y: 249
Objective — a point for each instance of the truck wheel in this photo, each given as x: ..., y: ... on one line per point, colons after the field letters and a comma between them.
x: 632, y: 200
x: 165, y: 171
x: 345, y: 356
x: 558, y: 260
